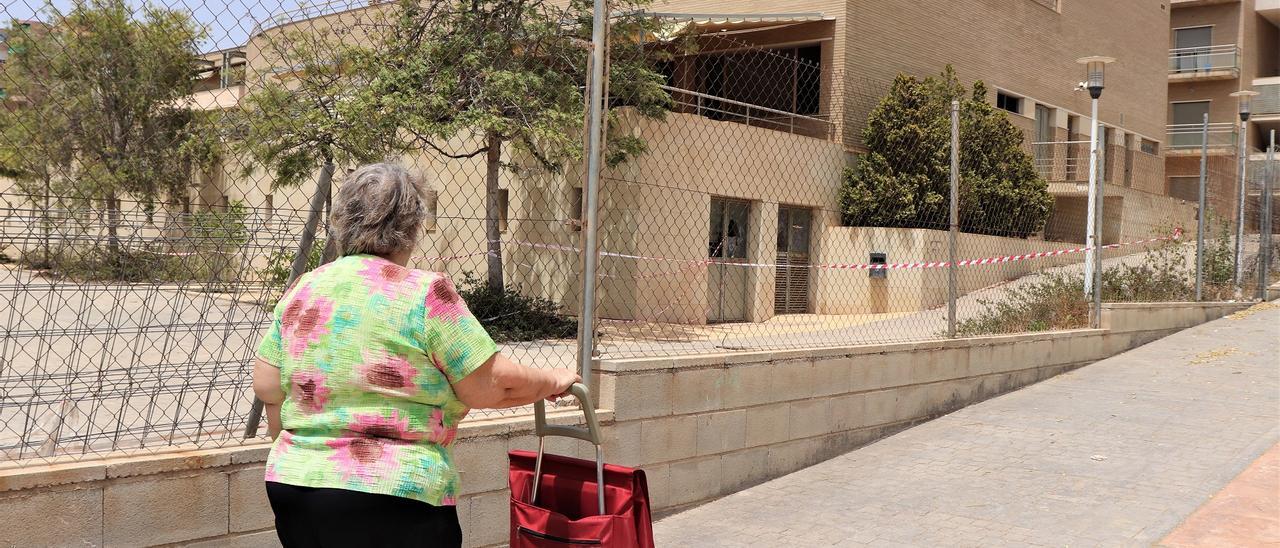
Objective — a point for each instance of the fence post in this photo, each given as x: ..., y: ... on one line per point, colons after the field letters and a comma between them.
x: 955, y: 219
x: 299, y: 265
x: 1243, y: 137
x: 1201, y: 213
x: 590, y: 253
x: 1101, y: 154
x: 1264, y: 220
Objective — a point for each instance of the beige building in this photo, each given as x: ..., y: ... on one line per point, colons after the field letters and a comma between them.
x: 1217, y: 48
x: 770, y: 112
x: 745, y: 173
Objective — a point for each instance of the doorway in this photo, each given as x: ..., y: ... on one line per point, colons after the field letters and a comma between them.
x: 791, y: 289
x: 727, y: 249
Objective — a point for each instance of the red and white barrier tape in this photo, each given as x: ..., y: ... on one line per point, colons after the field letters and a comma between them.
x: 1176, y: 235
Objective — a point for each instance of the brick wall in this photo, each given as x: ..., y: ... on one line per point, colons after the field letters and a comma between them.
x: 1021, y: 46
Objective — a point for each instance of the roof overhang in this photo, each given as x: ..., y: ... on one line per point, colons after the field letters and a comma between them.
x: 677, y: 24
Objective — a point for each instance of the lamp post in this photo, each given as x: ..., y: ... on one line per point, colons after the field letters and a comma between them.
x: 1094, y: 69
x: 1246, y: 99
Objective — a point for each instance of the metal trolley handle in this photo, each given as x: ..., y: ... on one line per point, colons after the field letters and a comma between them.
x: 590, y: 434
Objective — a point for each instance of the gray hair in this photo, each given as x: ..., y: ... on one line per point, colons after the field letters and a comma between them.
x: 378, y: 211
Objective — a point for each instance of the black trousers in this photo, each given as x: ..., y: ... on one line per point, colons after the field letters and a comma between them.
x: 312, y: 517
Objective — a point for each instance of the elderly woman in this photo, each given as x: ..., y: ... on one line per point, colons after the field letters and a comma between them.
x: 366, y: 370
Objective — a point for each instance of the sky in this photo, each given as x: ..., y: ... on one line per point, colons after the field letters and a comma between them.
x: 228, y: 22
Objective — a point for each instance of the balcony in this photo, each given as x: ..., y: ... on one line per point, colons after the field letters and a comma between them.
x: 1205, y: 63
x: 1267, y: 103
x: 1188, y: 139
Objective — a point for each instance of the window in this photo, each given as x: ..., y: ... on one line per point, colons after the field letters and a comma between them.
x: 1008, y: 102
x: 503, y: 201
x: 1185, y: 188
x: 1187, y: 118
x: 1149, y: 147
x: 1192, y: 49
x: 430, y: 223
x: 575, y: 209
x: 269, y: 206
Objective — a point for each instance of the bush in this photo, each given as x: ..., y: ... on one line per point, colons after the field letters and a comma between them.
x: 509, y: 315
x: 280, y: 263
x: 207, y: 252
x: 1054, y: 302
x: 1057, y: 300
x: 903, y: 180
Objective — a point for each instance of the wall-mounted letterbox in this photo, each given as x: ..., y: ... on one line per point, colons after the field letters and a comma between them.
x: 879, y: 259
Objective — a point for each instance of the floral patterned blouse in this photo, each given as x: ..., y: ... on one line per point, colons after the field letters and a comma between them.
x: 367, y: 352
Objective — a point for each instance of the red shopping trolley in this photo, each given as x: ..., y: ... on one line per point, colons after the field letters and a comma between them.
x: 557, y: 501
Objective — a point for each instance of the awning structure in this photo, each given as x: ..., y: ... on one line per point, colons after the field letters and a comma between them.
x: 727, y: 23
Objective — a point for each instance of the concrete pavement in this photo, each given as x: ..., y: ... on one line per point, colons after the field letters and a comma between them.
x: 1114, y: 454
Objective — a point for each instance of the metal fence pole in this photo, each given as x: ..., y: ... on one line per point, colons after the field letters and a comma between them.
x: 299, y: 266
x: 1097, y: 227
x: 595, y: 142
x: 955, y: 219
x: 1239, y: 272
x: 1264, y: 217
x: 1202, y: 213
x: 1090, y: 243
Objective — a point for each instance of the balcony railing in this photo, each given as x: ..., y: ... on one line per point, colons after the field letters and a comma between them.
x: 1192, y: 136
x: 308, y: 11
x: 1267, y: 103
x: 1202, y: 60
x: 720, y: 108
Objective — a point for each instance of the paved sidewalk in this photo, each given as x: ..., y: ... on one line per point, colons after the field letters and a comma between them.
x: 1114, y: 454
x: 1245, y: 513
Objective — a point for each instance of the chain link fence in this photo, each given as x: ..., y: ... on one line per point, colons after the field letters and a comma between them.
x: 164, y: 170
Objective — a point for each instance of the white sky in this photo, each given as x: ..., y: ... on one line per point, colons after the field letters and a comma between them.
x: 227, y: 22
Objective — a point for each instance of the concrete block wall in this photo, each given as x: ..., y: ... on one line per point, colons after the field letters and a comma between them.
x: 700, y: 426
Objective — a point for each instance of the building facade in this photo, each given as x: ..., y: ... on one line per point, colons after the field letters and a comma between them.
x: 1218, y: 48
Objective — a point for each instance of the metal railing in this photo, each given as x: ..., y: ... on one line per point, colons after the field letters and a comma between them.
x: 1204, y: 59
x: 308, y: 11
x: 720, y: 108
x: 1191, y: 136
x: 1061, y: 160
x: 1267, y: 103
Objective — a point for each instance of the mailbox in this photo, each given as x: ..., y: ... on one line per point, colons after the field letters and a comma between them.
x: 878, y: 258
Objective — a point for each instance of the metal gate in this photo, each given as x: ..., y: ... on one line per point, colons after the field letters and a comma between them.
x: 791, y: 292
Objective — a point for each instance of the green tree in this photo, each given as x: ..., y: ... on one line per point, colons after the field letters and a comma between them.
x: 103, y: 113
x: 307, y: 113
x: 511, y: 72
x: 904, y: 178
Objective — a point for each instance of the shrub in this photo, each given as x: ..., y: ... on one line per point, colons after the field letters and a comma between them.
x: 280, y: 263
x: 1057, y: 301
x: 904, y: 178
x: 509, y: 315
x: 207, y: 253
x: 1053, y: 302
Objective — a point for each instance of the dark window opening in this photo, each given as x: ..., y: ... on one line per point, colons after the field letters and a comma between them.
x: 1009, y: 102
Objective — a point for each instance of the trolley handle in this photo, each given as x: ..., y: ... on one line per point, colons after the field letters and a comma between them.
x: 589, y: 434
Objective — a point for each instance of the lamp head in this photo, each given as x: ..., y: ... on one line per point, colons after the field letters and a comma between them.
x: 1095, y: 67
x: 1246, y: 102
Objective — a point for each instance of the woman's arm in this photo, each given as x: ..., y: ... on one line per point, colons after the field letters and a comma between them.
x: 266, y: 385
x: 501, y: 382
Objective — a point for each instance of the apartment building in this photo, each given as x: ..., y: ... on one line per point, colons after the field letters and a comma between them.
x: 770, y: 109
x: 1219, y: 47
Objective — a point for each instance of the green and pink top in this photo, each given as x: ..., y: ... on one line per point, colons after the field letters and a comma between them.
x: 368, y: 351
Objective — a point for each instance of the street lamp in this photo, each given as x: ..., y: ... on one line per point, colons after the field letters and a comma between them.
x: 1246, y: 100
x: 1095, y: 66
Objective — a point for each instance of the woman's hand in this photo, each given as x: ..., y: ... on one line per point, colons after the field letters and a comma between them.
x: 563, y: 379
